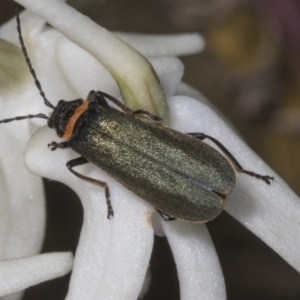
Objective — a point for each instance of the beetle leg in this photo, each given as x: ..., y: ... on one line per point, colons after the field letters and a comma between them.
x: 54, y: 145
x: 100, y: 95
x: 127, y: 110
x: 81, y: 161
x: 165, y: 216
x: 148, y: 114
x: 236, y: 164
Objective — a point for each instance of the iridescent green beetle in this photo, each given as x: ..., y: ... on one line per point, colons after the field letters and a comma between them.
x: 178, y: 174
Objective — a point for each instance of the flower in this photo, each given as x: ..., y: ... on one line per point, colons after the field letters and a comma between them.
x: 113, y: 255
x: 22, y: 204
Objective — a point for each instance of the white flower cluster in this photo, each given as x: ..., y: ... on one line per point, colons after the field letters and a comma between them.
x: 112, y: 256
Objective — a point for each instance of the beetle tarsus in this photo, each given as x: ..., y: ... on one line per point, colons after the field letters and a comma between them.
x: 54, y: 145
x: 110, y: 212
x: 267, y: 179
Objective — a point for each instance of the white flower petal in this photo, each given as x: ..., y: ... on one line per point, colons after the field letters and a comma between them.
x: 19, y: 274
x: 168, y: 44
x: 146, y: 284
x: 133, y: 73
x: 41, y: 46
x: 197, y: 262
x: 22, y: 214
x: 22, y: 207
x: 271, y: 212
x: 185, y: 89
x: 113, y: 255
x: 83, y: 71
x: 32, y: 24
x: 13, y: 70
x: 169, y: 71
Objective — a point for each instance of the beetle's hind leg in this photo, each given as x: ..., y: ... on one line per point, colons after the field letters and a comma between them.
x: 165, y: 216
x: 81, y: 161
x: 236, y: 164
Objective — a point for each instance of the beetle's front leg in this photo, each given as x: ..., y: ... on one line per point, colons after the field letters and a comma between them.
x: 101, y: 95
x: 54, y: 145
x: 201, y: 136
x: 81, y: 161
x: 152, y: 117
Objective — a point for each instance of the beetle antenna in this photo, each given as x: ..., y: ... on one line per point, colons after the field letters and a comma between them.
x: 42, y: 116
x: 36, y: 81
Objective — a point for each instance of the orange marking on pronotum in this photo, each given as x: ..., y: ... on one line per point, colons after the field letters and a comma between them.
x: 78, y: 112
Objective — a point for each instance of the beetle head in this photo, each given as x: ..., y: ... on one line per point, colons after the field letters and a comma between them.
x: 61, y: 115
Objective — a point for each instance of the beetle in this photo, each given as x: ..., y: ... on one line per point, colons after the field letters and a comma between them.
x: 178, y: 174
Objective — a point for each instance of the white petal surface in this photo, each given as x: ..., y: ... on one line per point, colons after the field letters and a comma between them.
x: 169, y: 71
x: 199, y: 271
x: 271, y: 212
x: 83, y: 71
x: 22, y: 211
x: 22, y: 208
x: 41, y: 44
x: 132, y: 72
x: 169, y: 44
x: 185, y: 89
x: 113, y: 255
x: 32, y: 24
x: 19, y: 274
x: 22, y: 214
